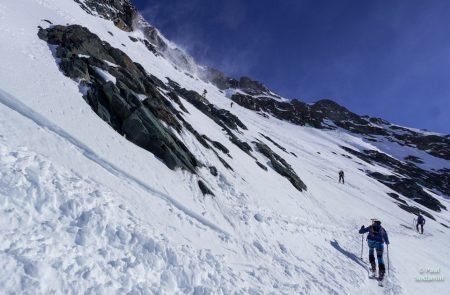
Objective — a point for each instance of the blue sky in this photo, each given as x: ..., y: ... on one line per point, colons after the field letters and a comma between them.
x: 388, y: 59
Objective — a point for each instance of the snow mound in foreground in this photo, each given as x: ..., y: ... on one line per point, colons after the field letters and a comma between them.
x: 61, y: 225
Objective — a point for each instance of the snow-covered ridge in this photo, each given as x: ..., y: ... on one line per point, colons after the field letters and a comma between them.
x: 84, y: 210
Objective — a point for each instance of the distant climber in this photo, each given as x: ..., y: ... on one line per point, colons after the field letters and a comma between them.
x: 375, y: 239
x: 341, y: 176
x: 421, y: 222
x: 204, y: 93
x: 231, y: 105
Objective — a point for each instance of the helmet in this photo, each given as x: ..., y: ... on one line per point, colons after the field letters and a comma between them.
x: 375, y: 220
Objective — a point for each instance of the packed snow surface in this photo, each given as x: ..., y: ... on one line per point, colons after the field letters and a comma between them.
x: 84, y: 211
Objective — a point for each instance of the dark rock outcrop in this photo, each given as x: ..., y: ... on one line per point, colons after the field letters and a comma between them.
x: 412, y: 178
x: 121, y: 12
x: 177, y: 100
x: 411, y: 209
x: 213, y: 170
x: 397, y: 198
x: 281, y: 166
x: 252, y: 87
x: 344, y: 118
x: 223, y: 118
x: 294, y: 111
x: 438, y: 146
x: 244, y: 146
x: 410, y: 189
x: 414, y: 210
x: 126, y: 17
x: 218, y: 145
x: 205, y: 190
x: 261, y: 166
x: 225, y: 164
x: 219, y: 79
x: 275, y: 143
x: 132, y: 105
x: 319, y: 115
x: 220, y: 116
x: 152, y: 37
x: 414, y: 159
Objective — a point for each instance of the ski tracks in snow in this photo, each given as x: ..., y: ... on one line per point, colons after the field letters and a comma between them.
x: 17, y: 106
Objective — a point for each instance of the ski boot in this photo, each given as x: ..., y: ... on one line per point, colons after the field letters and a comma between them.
x: 373, y: 267
x: 382, y: 270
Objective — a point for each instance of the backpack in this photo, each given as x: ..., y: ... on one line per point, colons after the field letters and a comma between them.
x: 375, y: 232
x: 420, y: 219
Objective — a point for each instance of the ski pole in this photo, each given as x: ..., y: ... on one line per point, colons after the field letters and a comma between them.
x: 362, y: 247
x: 388, y: 256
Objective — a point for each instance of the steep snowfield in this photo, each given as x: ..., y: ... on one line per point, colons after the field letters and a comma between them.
x: 82, y: 210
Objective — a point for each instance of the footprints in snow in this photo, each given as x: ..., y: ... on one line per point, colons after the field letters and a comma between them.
x: 72, y: 230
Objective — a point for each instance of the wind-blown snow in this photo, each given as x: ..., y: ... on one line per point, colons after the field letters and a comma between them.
x: 82, y: 210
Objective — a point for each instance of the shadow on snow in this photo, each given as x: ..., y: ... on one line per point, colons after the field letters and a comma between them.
x: 350, y: 255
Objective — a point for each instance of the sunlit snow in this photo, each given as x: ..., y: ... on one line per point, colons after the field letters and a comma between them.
x: 84, y: 211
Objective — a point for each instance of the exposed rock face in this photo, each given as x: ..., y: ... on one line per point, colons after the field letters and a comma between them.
x: 252, y: 87
x: 205, y: 190
x: 275, y: 143
x: 121, y: 12
x: 411, y: 209
x: 131, y: 104
x: 151, y: 34
x: 223, y: 118
x: 414, y: 210
x: 239, y: 143
x: 412, y: 180
x: 397, y: 198
x: 219, y: 79
x: 126, y: 17
x: 319, y: 113
x: 261, y: 166
x: 410, y: 189
x: 301, y: 113
x: 177, y: 100
x: 219, y: 146
x: 220, y: 116
x: 213, y: 170
x: 413, y: 159
x: 295, y: 111
x: 281, y: 166
x: 438, y: 146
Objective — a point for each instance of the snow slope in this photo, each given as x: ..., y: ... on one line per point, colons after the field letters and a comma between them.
x: 85, y: 211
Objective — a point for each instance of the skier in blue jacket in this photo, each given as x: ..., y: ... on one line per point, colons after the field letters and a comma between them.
x: 375, y: 239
